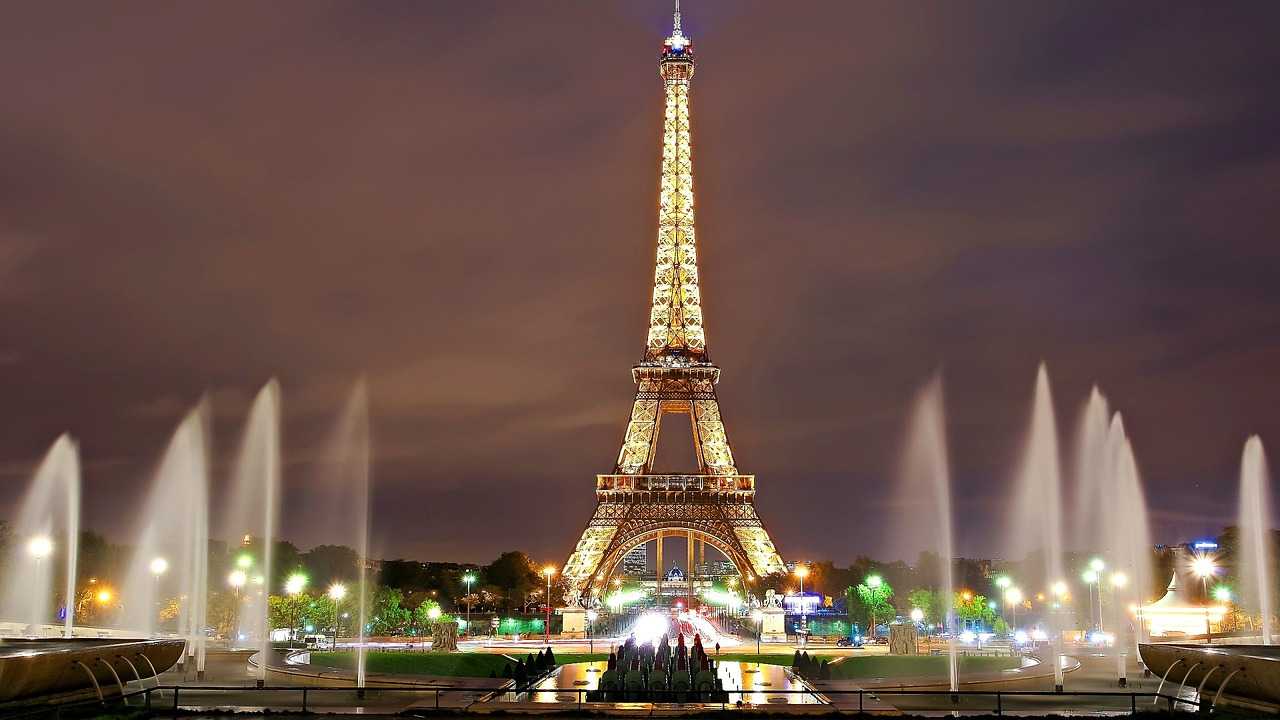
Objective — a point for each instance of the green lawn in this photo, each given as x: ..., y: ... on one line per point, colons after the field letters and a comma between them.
x: 884, y: 666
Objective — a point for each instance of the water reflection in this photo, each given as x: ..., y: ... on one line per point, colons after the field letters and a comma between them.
x: 761, y: 682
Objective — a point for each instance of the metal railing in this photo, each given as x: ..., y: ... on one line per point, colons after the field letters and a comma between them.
x: 169, y: 699
x: 678, y: 483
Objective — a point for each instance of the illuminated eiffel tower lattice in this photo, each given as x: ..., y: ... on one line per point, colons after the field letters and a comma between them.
x: 716, y: 505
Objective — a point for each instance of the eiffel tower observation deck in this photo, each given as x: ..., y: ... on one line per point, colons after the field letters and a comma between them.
x: 714, y: 505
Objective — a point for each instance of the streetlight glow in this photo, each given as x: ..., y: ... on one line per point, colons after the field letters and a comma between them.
x: 874, y: 581
x: 1222, y: 593
x: 159, y: 566
x: 337, y: 592
x: 40, y: 547
x: 1013, y: 596
x: 104, y: 596
x: 237, y: 579
x: 1003, y: 582
x: 1203, y: 566
x: 1119, y: 579
x: 1090, y: 576
x: 244, y: 562
x: 1059, y: 588
x: 1097, y: 565
x: 917, y: 614
x: 802, y: 571
x: 295, y: 583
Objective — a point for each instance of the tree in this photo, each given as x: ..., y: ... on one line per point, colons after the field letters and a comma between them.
x: 973, y: 609
x: 388, y: 616
x: 287, y: 611
x: 929, y: 602
x: 874, y: 594
x: 514, y: 573
x: 329, y: 563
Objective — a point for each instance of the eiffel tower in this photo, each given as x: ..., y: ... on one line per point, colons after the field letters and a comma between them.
x: 716, y: 505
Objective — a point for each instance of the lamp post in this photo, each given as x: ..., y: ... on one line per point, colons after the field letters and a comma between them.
x: 758, y: 616
x: 158, y: 567
x: 468, y: 579
x: 337, y: 593
x: 1204, y: 568
x: 802, y: 572
x: 294, y: 585
x: 39, y: 548
x: 1013, y: 596
x: 917, y: 616
x: 873, y: 582
x: 236, y: 579
x: 1090, y: 578
x: 548, y: 571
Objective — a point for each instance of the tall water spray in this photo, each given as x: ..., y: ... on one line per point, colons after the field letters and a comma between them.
x: 46, y: 528
x: 1255, y: 533
x: 1037, y: 516
x: 1111, y: 520
x: 924, y: 493
x: 168, y: 574
x: 253, y: 511
x: 345, y: 484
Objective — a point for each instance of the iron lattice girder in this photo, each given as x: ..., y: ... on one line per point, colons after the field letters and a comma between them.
x: 675, y: 376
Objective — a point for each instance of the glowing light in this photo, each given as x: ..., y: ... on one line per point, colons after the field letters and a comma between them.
x: 1020, y: 637
x: 1003, y: 582
x: 104, y: 596
x: 592, y: 615
x: 433, y: 612
x: 1222, y: 593
x: 966, y: 595
x: 244, y: 562
x: 295, y: 583
x: 757, y: 615
x: 337, y: 592
x: 468, y: 578
x: 725, y: 599
x: 237, y: 579
x: 968, y: 636
x: 1059, y: 588
x: 802, y: 571
x: 917, y: 614
x: 1013, y: 595
x: 1204, y: 566
x: 1119, y: 579
x: 40, y: 547
x: 1089, y: 576
x: 649, y: 627
x: 1097, y: 565
x: 159, y: 566
x: 874, y: 581
x: 621, y: 598
x: 549, y: 571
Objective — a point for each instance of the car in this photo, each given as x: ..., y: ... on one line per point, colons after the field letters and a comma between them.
x: 850, y: 642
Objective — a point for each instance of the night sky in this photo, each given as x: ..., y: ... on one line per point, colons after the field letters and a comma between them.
x: 458, y: 200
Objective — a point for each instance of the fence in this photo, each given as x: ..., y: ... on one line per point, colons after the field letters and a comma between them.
x: 168, y: 699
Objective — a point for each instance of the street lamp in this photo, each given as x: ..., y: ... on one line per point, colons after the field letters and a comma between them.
x: 1204, y: 568
x: 468, y: 579
x: 337, y: 593
x: 1013, y: 596
x: 802, y: 572
x: 873, y: 582
x: 917, y: 616
x: 758, y: 616
x: 39, y: 548
x: 293, y: 585
x: 548, y: 571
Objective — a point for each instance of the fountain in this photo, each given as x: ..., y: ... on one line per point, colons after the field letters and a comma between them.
x: 46, y: 526
x: 1255, y: 533
x: 1037, y: 516
x: 252, y: 511
x: 345, y: 484
x: 1111, y: 518
x: 924, y: 492
x: 170, y: 559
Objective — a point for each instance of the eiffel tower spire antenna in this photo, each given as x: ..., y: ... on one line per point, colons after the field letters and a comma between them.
x: 714, y: 504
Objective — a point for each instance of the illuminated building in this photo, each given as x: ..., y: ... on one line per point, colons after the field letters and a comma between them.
x: 634, y: 505
x: 636, y: 563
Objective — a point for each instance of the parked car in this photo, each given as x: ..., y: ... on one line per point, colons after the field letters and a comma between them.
x: 850, y: 642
